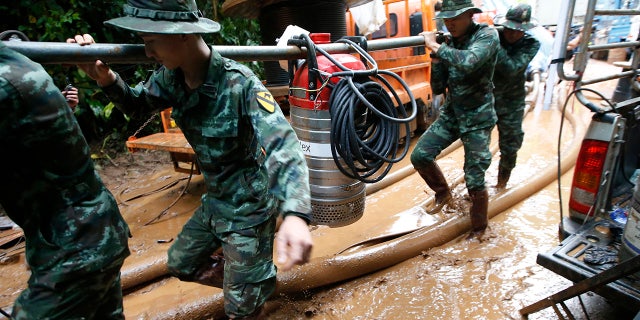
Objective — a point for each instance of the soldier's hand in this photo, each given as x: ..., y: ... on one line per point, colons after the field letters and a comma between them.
x: 99, y: 70
x: 293, y: 242
x: 430, y: 40
x: 71, y: 94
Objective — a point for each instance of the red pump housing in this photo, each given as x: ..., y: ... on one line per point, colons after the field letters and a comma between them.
x: 300, y: 93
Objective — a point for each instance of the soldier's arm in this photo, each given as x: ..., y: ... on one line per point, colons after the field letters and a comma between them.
x: 518, y: 61
x: 129, y: 100
x: 439, y: 77
x: 280, y: 150
x: 136, y: 101
x: 482, y: 48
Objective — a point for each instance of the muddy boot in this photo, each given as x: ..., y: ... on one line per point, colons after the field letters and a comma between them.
x: 212, y: 273
x: 503, y: 178
x: 434, y: 178
x: 479, y: 206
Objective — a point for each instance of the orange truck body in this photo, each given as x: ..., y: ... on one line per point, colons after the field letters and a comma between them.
x: 406, y: 18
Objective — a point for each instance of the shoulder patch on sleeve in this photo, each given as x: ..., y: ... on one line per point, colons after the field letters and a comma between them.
x: 266, y: 101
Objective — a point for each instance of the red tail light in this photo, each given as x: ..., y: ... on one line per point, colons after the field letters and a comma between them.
x: 587, y: 175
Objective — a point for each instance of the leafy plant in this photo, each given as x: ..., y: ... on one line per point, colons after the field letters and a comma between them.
x: 55, y: 21
x: 233, y: 31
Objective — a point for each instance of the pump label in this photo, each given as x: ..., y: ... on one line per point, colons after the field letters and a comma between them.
x: 320, y: 150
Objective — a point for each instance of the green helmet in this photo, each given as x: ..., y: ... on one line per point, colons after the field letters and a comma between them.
x: 454, y: 8
x: 165, y: 17
x: 518, y: 18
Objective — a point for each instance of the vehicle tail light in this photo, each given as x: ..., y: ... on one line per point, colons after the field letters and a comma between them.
x: 587, y: 176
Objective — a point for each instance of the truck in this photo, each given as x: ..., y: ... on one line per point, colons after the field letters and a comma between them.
x: 598, y: 247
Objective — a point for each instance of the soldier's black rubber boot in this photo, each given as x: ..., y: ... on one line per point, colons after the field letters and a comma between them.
x: 479, y: 208
x: 435, y: 179
x: 503, y: 178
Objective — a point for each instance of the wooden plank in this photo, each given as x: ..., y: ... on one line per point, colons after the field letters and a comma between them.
x: 9, y: 236
x: 172, y: 142
x: 8, y: 254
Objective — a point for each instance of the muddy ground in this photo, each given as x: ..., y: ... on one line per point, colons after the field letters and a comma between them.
x: 118, y: 169
x: 489, y: 279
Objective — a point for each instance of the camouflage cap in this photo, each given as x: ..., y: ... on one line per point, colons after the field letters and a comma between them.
x: 517, y: 18
x: 164, y: 17
x: 454, y: 8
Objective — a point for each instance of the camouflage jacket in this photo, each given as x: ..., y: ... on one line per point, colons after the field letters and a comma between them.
x: 465, y: 73
x: 249, y: 154
x: 49, y: 186
x: 513, y: 59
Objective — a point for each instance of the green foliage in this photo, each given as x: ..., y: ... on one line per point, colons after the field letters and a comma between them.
x: 233, y: 31
x: 51, y: 20
x: 57, y: 20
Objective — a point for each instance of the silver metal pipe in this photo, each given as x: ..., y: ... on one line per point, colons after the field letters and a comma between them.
x: 563, y: 37
x: 65, y: 53
x: 617, y: 12
x: 582, y: 56
x: 601, y: 47
x: 624, y: 74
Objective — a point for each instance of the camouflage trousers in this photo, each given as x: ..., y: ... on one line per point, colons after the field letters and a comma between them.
x: 89, y: 296
x: 249, y: 272
x: 510, y: 113
x: 441, y: 134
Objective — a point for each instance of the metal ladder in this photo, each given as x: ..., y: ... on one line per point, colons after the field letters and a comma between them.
x: 585, y: 48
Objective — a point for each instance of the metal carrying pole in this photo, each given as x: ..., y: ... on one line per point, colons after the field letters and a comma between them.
x: 71, y: 53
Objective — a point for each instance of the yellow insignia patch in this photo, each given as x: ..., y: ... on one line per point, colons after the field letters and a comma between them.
x: 266, y: 101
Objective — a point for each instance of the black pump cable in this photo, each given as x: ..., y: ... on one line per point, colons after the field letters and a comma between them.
x: 365, y: 131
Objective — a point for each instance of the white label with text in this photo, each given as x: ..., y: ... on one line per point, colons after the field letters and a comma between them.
x: 321, y: 150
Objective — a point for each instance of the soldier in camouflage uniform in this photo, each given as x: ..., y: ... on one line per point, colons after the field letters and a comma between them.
x: 76, y: 239
x: 462, y: 69
x: 516, y: 50
x: 250, y: 157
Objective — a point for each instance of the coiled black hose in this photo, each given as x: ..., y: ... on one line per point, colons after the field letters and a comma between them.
x: 362, y: 140
x: 365, y: 131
